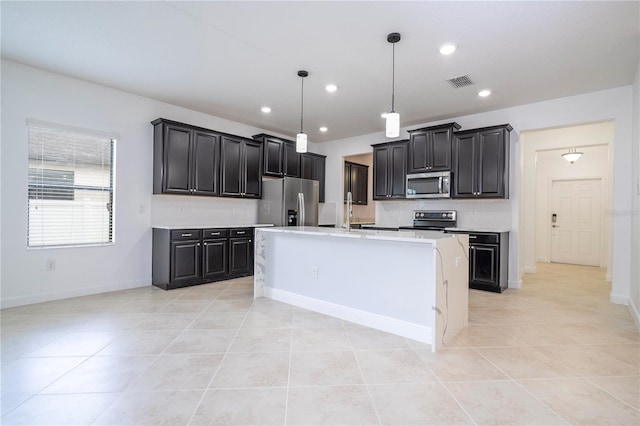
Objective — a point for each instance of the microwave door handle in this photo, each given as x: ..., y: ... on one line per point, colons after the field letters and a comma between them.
x: 440, y: 185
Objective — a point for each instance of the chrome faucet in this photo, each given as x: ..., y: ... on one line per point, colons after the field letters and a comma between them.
x: 349, y: 210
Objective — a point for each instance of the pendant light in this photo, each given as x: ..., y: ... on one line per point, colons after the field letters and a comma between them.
x: 301, y: 138
x: 393, y: 118
x: 572, y: 156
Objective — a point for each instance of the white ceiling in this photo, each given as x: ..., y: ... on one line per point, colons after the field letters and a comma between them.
x: 230, y: 58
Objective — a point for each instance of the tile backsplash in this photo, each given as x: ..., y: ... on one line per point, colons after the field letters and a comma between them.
x: 471, y: 213
x: 184, y: 210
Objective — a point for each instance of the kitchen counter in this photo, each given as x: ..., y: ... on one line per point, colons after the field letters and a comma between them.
x: 427, y: 237
x: 410, y: 283
x: 477, y: 229
x: 209, y: 226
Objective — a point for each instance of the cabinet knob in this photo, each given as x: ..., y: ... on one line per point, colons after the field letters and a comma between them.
x: 198, y: 244
x: 204, y: 244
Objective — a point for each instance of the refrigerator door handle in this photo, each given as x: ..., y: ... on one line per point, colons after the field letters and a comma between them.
x: 301, y: 209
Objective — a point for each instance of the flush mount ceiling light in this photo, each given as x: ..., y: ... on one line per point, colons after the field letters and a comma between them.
x: 301, y: 138
x: 330, y: 88
x: 447, y: 49
x: 572, y: 156
x: 323, y: 129
x: 393, y: 118
x: 484, y: 93
x: 265, y: 109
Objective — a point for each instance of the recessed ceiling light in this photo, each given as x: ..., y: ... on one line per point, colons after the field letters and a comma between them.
x: 384, y: 114
x: 265, y: 109
x: 448, y: 49
x: 323, y: 129
x: 484, y: 93
x: 330, y: 88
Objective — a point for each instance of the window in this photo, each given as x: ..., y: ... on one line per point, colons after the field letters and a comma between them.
x: 71, y: 187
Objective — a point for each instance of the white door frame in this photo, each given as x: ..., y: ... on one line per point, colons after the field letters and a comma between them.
x: 604, y: 240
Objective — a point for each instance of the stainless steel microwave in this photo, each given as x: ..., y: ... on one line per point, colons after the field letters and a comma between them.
x: 429, y: 185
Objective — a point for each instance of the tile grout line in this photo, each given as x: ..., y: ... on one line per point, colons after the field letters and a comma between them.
x: 522, y: 387
x: 606, y: 391
x: 364, y: 382
x: 215, y: 373
x: 286, y: 400
x: 439, y: 380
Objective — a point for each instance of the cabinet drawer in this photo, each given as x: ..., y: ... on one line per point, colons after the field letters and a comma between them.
x: 186, y: 234
x: 215, y: 233
x: 484, y: 238
x: 242, y: 232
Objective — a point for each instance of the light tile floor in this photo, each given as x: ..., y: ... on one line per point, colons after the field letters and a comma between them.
x: 555, y: 352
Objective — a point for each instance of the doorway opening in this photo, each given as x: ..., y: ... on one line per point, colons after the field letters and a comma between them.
x: 358, y: 179
x: 583, y: 194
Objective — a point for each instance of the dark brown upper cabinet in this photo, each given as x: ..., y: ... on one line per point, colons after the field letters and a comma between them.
x: 186, y: 159
x: 430, y: 148
x: 390, y: 170
x: 481, y: 162
x: 280, y: 156
x: 241, y: 167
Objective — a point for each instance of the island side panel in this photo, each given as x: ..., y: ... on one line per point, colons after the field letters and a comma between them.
x: 451, y: 311
x: 388, y: 285
x: 259, y: 262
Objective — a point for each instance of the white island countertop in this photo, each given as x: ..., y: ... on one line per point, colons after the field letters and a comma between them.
x: 477, y: 229
x: 366, y: 234
x: 210, y: 226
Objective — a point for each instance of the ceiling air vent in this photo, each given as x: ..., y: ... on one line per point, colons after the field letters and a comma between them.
x: 461, y: 81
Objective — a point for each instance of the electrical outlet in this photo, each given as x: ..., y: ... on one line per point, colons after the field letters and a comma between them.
x: 51, y: 264
x: 314, y: 272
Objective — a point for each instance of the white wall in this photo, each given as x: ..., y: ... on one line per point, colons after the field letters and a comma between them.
x: 613, y: 104
x: 634, y: 306
x: 31, y: 93
x: 551, y: 166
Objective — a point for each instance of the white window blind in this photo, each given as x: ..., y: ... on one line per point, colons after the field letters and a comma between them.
x: 71, y: 187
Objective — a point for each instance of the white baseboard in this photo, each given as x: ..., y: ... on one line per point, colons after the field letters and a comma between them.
x: 514, y: 284
x: 635, y: 313
x: 530, y: 269
x: 368, y: 319
x: 10, y: 302
x: 618, y: 299
x: 543, y: 259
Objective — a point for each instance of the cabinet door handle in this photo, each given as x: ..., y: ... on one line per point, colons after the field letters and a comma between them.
x: 472, y: 237
x: 185, y: 235
x: 213, y: 234
x: 240, y: 232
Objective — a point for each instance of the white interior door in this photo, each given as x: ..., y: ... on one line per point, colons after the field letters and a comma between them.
x: 575, y: 233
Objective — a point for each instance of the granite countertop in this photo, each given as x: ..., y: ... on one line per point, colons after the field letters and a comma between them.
x: 367, y: 234
x: 209, y: 226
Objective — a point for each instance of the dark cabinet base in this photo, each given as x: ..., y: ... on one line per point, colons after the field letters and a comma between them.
x: 184, y: 258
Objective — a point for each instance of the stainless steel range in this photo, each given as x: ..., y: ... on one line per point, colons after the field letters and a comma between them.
x: 433, y: 220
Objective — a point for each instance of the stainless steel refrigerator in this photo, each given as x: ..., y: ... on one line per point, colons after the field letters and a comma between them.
x: 289, y: 202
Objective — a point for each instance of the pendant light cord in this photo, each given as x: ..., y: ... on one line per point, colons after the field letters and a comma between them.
x: 301, y: 104
x: 393, y: 78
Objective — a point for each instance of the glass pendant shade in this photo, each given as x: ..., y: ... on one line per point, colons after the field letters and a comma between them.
x: 572, y: 156
x: 301, y: 142
x: 393, y: 125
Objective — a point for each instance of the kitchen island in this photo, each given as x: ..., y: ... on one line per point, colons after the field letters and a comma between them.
x: 410, y: 283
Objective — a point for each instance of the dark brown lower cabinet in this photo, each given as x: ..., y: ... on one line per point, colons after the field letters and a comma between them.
x: 186, y: 257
